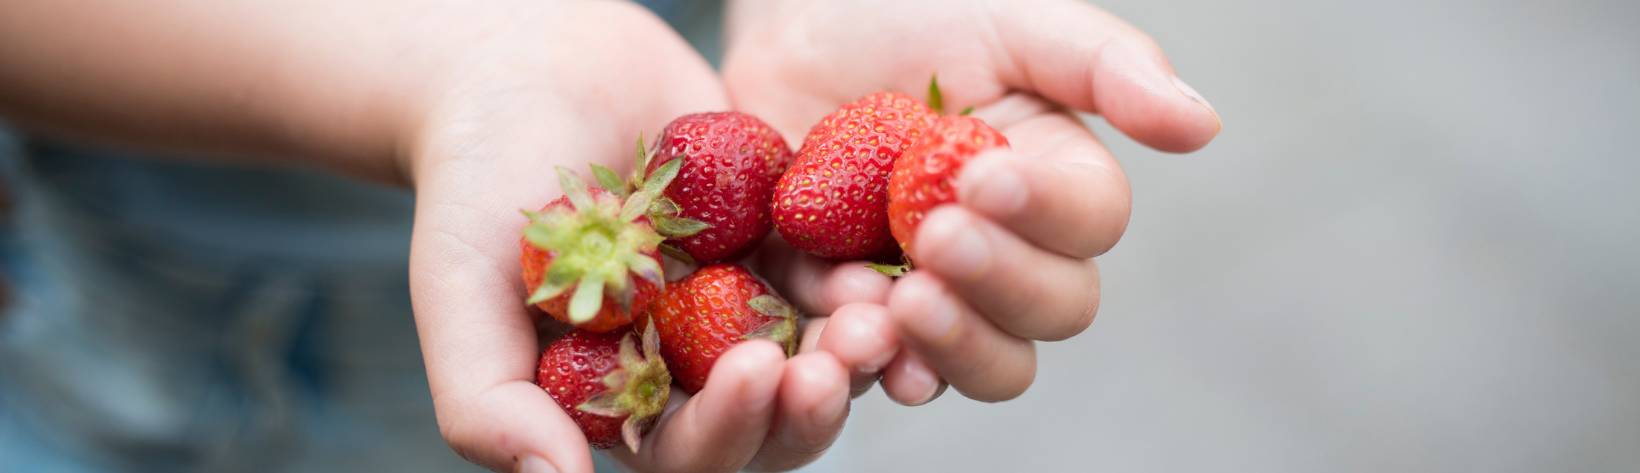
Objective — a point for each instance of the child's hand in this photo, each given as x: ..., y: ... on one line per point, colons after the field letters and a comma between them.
x: 1011, y: 263
x: 569, y: 86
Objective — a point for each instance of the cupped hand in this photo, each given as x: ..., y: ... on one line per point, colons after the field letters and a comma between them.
x: 530, y: 86
x: 1012, y: 262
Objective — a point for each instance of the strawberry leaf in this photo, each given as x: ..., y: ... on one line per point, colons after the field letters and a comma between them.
x: 772, y: 306
x: 677, y: 254
x: 663, y: 176
x: 679, y: 227
x: 547, y: 290
x: 663, y: 206
x: 936, y: 100
x: 588, y: 298
x: 604, y: 405
x: 574, y: 188
x: 632, y: 433
x: 643, y: 161
x: 890, y: 270
x: 647, y: 268
x: 636, y: 205
x: 610, y: 181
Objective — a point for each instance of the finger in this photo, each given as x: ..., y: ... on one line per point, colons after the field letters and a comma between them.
x: 910, y: 381
x: 812, y: 329
x: 1075, y: 54
x: 1058, y: 187
x: 862, y: 337
x: 508, y: 423
x: 818, y: 286
x: 812, y: 408
x: 722, y: 426
x: 979, y: 360
x: 1023, y: 290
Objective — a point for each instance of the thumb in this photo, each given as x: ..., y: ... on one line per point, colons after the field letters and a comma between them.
x: 1078, y: 55
x: 478, y: 343
x: 514, y: 427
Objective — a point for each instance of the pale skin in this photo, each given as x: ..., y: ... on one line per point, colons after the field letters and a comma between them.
x: 1018, y: 247
x: 473, y: 104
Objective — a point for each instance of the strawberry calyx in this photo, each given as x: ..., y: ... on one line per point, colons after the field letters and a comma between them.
x: 663, y: 212
x: 781, y: 330
x: 597, y: 244
x: 638, y: 389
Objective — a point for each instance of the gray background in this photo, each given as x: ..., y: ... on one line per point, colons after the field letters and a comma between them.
x: 1411, y: 249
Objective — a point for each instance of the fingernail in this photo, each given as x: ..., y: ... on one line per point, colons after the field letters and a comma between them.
x: 535, y: 464
x: 1190, y: 93
x: 990, y: 185
x: 961, y: 250
x: 920, y: 377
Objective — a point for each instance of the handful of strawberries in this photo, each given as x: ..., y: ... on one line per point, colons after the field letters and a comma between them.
x: 707, y: 193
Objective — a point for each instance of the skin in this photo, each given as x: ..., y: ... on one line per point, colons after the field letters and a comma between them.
x: 472, y: 105
x: 1011, y: 263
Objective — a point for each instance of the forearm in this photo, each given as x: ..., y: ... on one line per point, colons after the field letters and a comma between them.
x: 329, y: 82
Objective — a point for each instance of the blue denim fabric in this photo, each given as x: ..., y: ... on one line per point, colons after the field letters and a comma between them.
x: 190, y: 317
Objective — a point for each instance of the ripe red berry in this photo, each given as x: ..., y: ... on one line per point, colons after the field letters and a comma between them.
x: 833, y: 201
x: 718, y: 207
x: 611, y: 389
x: 923, y: 177
x: 590, y: 258
x: 702, y: 316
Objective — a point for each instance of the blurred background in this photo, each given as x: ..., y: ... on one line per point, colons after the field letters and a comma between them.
x: 1413, y: 248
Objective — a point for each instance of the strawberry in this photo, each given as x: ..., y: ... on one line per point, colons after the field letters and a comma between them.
x: 612, y: 391
x: 833, y: 202
x: 591, y: 257
x: 718, y: 207
x: 922, y: 178
x: 706, y: 313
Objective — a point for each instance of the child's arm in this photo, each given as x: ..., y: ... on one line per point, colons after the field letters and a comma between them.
x: 1011, y: 263
x: 472, y: 104
x: 326, y: 81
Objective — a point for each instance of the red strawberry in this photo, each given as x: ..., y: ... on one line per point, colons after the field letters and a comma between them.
x: 610, y: 389
x: 590, y: 257
x: 718, y: 207
x: 833, y: 202
x: 922, y: 178
x: 706, y: 313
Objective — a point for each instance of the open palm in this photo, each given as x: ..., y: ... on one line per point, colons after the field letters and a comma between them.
x: 567, y: 84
